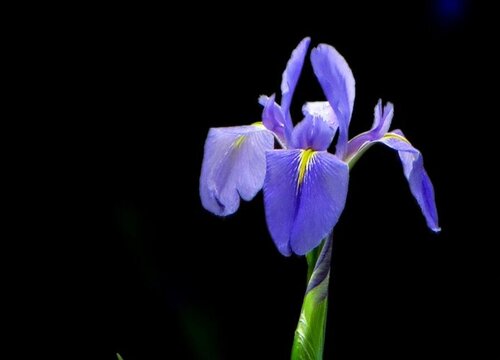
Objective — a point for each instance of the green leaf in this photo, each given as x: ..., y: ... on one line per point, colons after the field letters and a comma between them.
x: 309, y: 338
x: 119, y: 356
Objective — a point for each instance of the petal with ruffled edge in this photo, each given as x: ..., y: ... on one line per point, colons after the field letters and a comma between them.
x: 234, y: 166
x: 322, y: 110
x: 413, y: 167
x: 338, y: 84
x: 304, y: 195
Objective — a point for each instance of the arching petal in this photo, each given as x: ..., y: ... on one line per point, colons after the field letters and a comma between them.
x: 234, y: 166
x: 292, y: 73
x: 304, y: 195
x: 338, y: 84
x: 413, y: 167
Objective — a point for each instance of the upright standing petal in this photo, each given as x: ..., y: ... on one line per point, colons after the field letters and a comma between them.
x: 304, y: 195
x: 289, y: 81
x: 382, y: 118
x: 234, y: 166
x: 413, y: 167
x: 272, y: 116
x: 381, y: 124
x: 338, y: 84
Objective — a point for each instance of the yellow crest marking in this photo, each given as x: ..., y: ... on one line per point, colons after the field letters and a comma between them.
x: 396, y: 136
x: 306, y: 156
x: 241, y: 138
x: 258, y: 124
x: 239, y: 141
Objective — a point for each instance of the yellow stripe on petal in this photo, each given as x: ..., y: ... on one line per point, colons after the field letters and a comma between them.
x: 241, y: 138
x: 396, y: 136
x: 239, y: 141
x: 306, y: 156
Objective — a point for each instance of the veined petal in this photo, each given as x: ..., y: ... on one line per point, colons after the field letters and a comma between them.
x: 381, y: 123
x: 338, y: 84
x: 304, y: 195
x: 234, y: 166
x: 413, y: 167
x: 272, y: 117
x: 322, y: 200
x: 289, y: 81
x: 312, y: 132
x: 280, y: 197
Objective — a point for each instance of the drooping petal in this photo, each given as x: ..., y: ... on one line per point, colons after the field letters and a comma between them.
x: 313, y: 133
x: 234, y: 166
x: 280, y: 195
x: 413, y: 167
x: 304, y: 195
x: 338, y: 84
x: 381, y: 123
x: 322, y: 200
x: 272, y: 117
x: 289, y: 80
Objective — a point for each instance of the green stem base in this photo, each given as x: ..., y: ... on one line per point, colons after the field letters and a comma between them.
x: 309, y: 340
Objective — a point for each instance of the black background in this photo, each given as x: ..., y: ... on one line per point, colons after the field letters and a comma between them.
x: 144, y: 270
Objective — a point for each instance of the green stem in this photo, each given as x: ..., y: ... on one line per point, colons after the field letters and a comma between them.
x: 309, y: 338
x: 312, y: 257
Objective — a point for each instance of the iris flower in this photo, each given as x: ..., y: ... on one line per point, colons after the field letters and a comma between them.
x: 305, y: 186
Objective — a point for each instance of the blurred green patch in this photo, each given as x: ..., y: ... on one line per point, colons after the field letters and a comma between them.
x: 200, y: 332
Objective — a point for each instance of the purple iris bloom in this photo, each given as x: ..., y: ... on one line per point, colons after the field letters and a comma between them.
x: 305, y: 186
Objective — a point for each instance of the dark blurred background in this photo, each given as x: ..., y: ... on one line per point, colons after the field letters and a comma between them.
x: 145, y: 271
